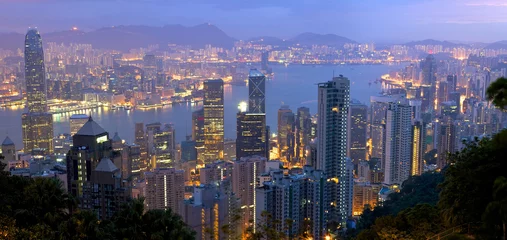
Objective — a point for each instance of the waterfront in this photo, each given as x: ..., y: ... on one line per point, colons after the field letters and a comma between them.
x: 294, y: 85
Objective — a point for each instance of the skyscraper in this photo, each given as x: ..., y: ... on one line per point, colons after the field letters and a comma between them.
x: 333, y: 103
x: 251, y: 135
x: 141, y: 141
x: 286, y: 143
x: 35, y: 74
x: 396, y: 160
x: 357, y: 132
x: 303, y: 131
x: 429, y: 78
x: 256, y: 92
x: 198, y: 132
x: 37, y: 124
x: 165, y: 188
x: 213, y: 120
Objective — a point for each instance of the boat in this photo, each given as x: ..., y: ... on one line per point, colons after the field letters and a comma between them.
x: 128, y: 107
x: 114, y: 107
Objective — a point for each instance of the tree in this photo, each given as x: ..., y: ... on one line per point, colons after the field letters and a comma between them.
x: 497, y: 92
x: 496, y: 211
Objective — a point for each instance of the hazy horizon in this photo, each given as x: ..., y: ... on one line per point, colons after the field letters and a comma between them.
x: 369, y: 20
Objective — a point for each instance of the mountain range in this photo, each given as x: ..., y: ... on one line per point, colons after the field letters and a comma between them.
x: 124, y: 38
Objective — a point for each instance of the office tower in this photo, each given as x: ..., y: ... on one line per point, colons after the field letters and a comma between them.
x: 333, y: 102
x: 449, y: 109
x: 251, y: 134
x: 140, y: 140
x: 357, y: 132
x: 446, y: 134
x: 429, y: 78
x: 37, y: 124
x: 8, y: 152
x: 396, y: 160
x: 198, y: 132
x: 213, y: 120
x: 165, y: 188
x: 256, y: 92
x: 443, y: 92
x: 90, y: 145
x: 135, y: 166
x: 77, y: 121
x: 105, y: 193
x: 286, y: 143
x: 211, y: 210
x: 150, y: 73
x: 426, y: 98
x: 365, y: 194
x: 244, y: 181
x: 164, y: 143
x: 265, y: 61
x: 417, y: 149
x: 35, y: 74
x: 299, y: 198
x: 303, y: 134
x: 117, y: 142
x: 452, y: 81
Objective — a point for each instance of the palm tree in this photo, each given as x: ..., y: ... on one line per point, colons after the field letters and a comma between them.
x: 497, y: 92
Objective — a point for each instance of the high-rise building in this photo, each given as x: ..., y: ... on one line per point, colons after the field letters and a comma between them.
x: 8, y: 152
x: 446, y: 134
x: 417, y: 149
x: 198, y: 132
x: 211, y: 210
x: 140, y: 140
x: 256, y: 92
x: 35, y: 73
x: 452, y: 81
x: 165, y: 188
x: 285, y: 137
x: 279, y: 195
x: 105, y: 193
x: 77, y: 121
x: 213, y: 120
x: 37, y: 124
x: 244, y: 181
x: 90, y: 145
x: 357, y: 131
x: 333, y: 103
x: 429, y: 78
x: 265, y: 61
x: 365, y: 194
x: 164, y: 142
x: 303, y: 134
x: 396, y: 160
x: 251, y: 135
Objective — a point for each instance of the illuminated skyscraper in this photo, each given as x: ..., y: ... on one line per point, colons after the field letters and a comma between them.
x: 35, y: 73
x: 37, y: 124
x: 256, y: 92
x: 429, y: 78
x: 251, y: 135
x: 333, y: 103
x: 165, y: 188
x: 198, y: 132
x: 286, y: 143
x: 213, y: 120
x: 141, y: 141
x: 357, y: 132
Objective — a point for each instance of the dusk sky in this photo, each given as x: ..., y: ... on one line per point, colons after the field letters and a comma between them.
x: 361, y: 20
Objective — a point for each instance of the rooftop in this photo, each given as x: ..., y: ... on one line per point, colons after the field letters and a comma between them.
x: 106, y: 165
x: 91, y: 128
x: 255, y: 73
x: 7, y: 142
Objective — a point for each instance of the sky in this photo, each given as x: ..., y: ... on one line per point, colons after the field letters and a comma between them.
x: 386, y: 21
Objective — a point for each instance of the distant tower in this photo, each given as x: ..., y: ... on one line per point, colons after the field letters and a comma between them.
x: 303, y: 132
x: 251, y: 135
x: 198, y: 132
x: 37, y: 124
x: 333, y: 103
x: 256, y: 92
x: 286, y: 143
x: 213, y: 120
x: 429, y: 78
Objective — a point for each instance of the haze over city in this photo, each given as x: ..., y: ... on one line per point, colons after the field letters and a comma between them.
x: 253, y: 120
x: 391, y: 21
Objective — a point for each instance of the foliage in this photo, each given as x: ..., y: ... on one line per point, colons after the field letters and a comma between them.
x: 497, y: 92
x: 39, y: 209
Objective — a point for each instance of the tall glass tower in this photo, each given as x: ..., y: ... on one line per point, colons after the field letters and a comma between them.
x: 35, y: 73
x: 213, y: 120
x: 37, y: 124
x: 256, y: 92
